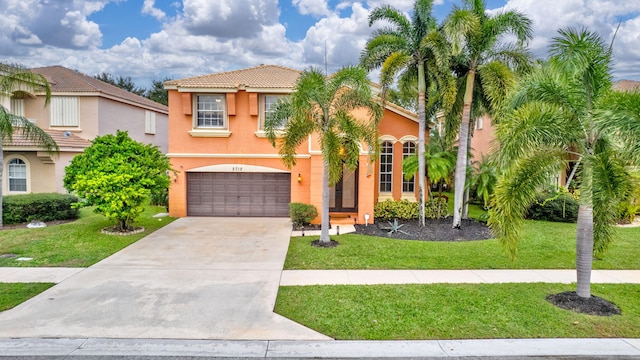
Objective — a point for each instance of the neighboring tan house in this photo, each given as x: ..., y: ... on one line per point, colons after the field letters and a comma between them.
x: 484, y: 133
x: 80, y: 109
x: 227, y: 167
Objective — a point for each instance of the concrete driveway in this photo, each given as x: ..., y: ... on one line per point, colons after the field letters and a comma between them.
x: 196, y: 278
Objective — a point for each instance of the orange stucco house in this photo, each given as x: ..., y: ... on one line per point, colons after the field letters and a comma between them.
x: 227, y: 167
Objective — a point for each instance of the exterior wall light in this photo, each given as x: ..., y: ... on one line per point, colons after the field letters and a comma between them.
x: 299, y: 178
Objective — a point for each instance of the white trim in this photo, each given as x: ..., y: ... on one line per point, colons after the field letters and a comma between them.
x: 233, y: 156
x: 383, y: 196
x: 237, y: 168
x: 261, y: 134
x: 408, y: 138
x: 5, y: 185
x: 206, y: 90
x: 222, y: 133
x: 390, y: 138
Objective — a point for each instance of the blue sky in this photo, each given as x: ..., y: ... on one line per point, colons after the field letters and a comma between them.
x: 154, y: 39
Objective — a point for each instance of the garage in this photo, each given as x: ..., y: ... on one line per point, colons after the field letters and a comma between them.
x: 238, y: 194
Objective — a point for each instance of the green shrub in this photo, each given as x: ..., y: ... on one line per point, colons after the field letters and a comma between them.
x: 561, y: 207
x: 407, y: 210
x: 160, y: 197
x: 302, y: 214
x: 44, y: 207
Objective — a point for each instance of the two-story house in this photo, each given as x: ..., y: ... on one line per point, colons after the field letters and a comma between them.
x: 80, y: 109
x: 227, y: 166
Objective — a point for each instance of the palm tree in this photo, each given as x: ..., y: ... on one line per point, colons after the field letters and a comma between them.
x: 408, y: 47
x: 13, y: 78
x: 323, y: 105
x: 481, y: 61
x: 483, y: 179
x: 566, y: 109
x: 440, y: 158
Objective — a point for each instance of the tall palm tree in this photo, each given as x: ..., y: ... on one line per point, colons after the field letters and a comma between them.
x: 323, y: 105
x: 566, y: 109
x: 15, y: 78
x: 482, y: 61
x: 408, y: 47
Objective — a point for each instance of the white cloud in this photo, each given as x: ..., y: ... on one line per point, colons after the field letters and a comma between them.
x: 148, y: 7
x: 601, y: 16
x: 312, y: 7
x: 229, y: 18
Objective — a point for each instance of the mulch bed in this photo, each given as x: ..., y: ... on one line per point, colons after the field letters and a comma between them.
x: 435, y: 230
x: 593, y: 306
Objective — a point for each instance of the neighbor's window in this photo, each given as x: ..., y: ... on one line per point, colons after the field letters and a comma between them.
x: 479, y: 123
x: 17, y: 170
x: 149, y: 122
x: 65, y: 111
x: 17, y: 106
x: 267, y: 106
x: 386, y: 166
x: 408, y: 149
x: 210, y: 111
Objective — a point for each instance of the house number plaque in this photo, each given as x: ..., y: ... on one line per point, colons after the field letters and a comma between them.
x: 236, y: 169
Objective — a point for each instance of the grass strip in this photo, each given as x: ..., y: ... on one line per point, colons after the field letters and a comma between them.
x: 544, y: 245
x: 455, y: 311
x: 12, y: 294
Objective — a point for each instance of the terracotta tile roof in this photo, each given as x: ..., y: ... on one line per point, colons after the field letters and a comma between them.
x: 262, y: 77
x: 626, y: 85
x: 64, y: 139
x: 66, y: 80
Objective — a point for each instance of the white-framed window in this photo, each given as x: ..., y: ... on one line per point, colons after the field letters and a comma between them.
x: 267, y: 106
x: 17, y: 175
x: 65, y: 111
x: 479, y: 123
x: 210, y: 111
x: 386, y: 166
x: 149, y: 122
x: 408, y: 149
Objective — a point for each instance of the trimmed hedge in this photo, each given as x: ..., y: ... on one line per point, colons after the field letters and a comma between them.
x: 559, y: 208
x: 43, y: 207
x: 302, y: 214
x: 407, y: 210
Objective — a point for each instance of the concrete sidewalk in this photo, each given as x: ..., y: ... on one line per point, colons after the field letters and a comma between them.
x: 418, y: 349
x: 374, y: 277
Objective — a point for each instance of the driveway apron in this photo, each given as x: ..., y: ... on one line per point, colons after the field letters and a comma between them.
x: 196, y: 278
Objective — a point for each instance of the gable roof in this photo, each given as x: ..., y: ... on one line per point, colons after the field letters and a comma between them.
x: 259, y: 77
x: 63, y: 80
x: 626, y: 85
x: 64, y: 139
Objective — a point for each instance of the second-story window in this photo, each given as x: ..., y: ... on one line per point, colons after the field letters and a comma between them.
x: 65, y: 111
x: 210, y: 111
x: 267, y: 106
x: 386, y: 166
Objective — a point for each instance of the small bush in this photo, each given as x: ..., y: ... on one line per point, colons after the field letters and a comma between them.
x: 160, y: 197
x: 302, y: 214
x: 407, y: 210
x: 560, y: 207
x: 44, y: 207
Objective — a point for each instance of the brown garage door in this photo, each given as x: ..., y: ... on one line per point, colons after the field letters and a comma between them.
x: 238, y: 194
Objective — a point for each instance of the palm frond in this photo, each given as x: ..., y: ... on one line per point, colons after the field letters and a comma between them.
x: 515, y: 191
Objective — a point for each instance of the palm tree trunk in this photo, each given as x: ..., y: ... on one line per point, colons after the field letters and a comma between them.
x: 324, y: 227
x: 584, y: 250
x: 461, y: 162
x: 421, y: 142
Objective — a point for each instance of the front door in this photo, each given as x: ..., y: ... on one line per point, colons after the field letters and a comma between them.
x: 344, y: 195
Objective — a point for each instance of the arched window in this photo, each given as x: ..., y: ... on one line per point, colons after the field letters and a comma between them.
x: 386, y: 166
x: 17, y: 170
x: 408, y: 149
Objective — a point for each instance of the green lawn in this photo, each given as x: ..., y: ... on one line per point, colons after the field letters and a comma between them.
x: 76, y: 244
x: 544, y: 245
x: 455, y: 311
x: 12, y: 294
